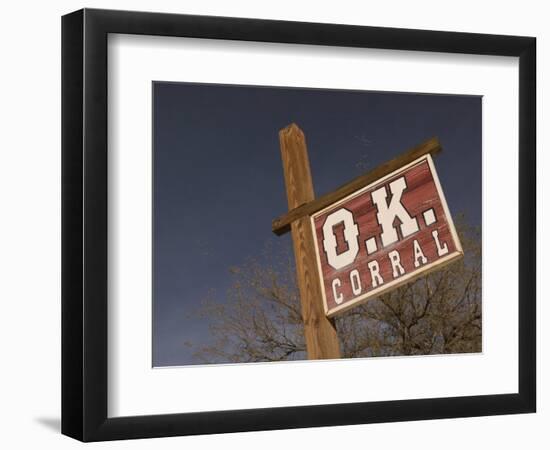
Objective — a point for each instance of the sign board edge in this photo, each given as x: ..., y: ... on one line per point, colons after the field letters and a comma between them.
x: 331, y: 313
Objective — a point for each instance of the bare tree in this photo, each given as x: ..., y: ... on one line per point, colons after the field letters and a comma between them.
x: 261, y: 318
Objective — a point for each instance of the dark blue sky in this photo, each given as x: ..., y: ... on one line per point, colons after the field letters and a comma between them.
x: 218, y: 179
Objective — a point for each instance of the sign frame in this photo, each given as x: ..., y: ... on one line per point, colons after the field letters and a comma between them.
x: 85, y: 384
x: 407, y: 278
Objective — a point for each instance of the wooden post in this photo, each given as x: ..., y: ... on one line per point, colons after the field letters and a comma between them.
x: 320, y: 334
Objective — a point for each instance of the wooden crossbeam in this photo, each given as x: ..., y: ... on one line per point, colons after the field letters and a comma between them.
x: 281, y: 225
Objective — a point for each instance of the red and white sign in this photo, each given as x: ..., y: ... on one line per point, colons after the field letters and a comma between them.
x: 383, y: 235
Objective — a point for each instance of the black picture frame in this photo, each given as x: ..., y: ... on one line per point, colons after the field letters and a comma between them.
x: 84, y: 224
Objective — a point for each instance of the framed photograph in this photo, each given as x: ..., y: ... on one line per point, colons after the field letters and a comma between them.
x: 273, y: 224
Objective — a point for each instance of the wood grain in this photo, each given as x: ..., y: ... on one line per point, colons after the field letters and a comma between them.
x: 281, y: 225
x: 320, y: 334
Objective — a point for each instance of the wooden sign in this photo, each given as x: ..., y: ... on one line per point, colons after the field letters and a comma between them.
x: 380, y: 230
x: 383, y: 235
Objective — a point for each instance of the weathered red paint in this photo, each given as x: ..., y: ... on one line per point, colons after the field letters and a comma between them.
x: 422, y: 193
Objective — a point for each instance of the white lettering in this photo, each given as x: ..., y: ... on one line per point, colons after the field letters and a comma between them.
x: 441, y: 250
x: 355, y: 282
x: 396, y: 266
x: 338, y: 298
x: 351, y: 231
x: 388, y: 212
x: 375, y: 273
x: 419, y: 258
